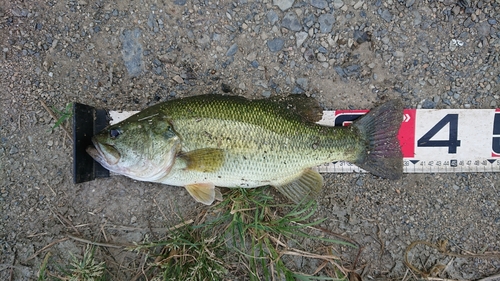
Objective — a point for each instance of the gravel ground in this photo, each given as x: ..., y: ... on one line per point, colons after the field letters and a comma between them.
x: 126, y: 55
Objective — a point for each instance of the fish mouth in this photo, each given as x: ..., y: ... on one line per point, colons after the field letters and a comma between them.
x: 105, y: 154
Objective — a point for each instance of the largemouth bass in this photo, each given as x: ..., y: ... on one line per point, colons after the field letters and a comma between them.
x: 206, y: 141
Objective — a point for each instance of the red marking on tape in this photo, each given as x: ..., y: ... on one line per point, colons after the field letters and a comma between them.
x: 406, y: 133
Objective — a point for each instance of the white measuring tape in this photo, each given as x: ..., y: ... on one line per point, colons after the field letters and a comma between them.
x: 432, y: 140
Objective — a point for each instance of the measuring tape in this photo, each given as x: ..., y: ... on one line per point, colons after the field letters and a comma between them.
x: 436, y: 140
x: 432, y: 140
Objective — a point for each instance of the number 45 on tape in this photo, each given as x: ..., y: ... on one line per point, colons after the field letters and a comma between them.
x: 436, y: 140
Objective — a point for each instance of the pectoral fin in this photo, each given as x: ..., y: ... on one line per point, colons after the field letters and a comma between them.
x: 306, y: 187
x: 204, y: 193
x: 203, y: 160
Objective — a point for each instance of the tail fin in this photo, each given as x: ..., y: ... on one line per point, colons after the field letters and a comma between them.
x: 379, y: 128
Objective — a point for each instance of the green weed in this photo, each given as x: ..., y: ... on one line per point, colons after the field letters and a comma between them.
x: 245, y: 227
x: 64, y: 114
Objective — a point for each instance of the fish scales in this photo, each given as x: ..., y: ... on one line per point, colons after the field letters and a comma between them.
x: 212, y: 140
x: 262, y: 142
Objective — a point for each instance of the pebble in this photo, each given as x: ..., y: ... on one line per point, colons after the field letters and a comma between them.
x: 428, y: 104
x: 309, y: 20
x: 252, y: 56
x: 483, y: 29
x: 276, y: 44
x: 359, y: 182
x: 320, y: 4
x: 180, y: 2
x: 302, y: 83
x: 360, y: 36
x: 132, y: 51
x: 178, y: 79
x: 300, y: 37
x: 358, y: 5
x: 266, y: 94
x: 385, y: 14
x: 326, y: 22
x: 321, y: 57
x: 13, y: 150
x: 297, y: 90
x: 309, y: 55
x: 283, y: 4
x: 291, y: 22
x: 272, y: 17
x: 337, y: 4
x: 232, y: 50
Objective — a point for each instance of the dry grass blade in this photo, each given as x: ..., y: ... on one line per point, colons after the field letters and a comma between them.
x: 109, y: 245
x: 45, y: 248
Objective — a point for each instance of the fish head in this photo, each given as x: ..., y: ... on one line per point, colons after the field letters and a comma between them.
x: 142, y: 148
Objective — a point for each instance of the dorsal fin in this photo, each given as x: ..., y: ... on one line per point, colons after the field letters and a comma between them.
x: 307, y: 107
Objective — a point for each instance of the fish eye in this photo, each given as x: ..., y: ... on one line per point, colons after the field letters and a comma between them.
x: 114, y: 133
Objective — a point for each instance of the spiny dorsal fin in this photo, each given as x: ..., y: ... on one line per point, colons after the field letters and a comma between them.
x: 203, y: 160
x: 302, y: 105
x: 306, y: 187
x: 203, y: 192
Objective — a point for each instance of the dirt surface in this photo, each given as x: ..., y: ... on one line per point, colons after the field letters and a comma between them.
x: 126, y: 55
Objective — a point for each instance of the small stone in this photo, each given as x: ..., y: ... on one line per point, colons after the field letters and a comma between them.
x: 283, y: 4
x: 303, y: 83
x: 300, y: 37
x: 320, y: 4
x: 296, y: 90
x: 272, y: 17
x: 468, y: 23
x: 205, y: 39
x: 266, y: 94
x: 417, y: 18
x: 232, y: 50
x: 385, y: 14
x: 352, y: 70
x: 409, y: 3
x: 483, y: 29
x: 493, y: 103
x: 132, y: 51
x: 326, y: 22
x: 13, y: 150
x: 178, y: 79
x: 252, y: 56
x: 291, y: 22
x: 337, y: 4
x: 359, y: 182
x: 275, y: 44
x: 321, y: 57
x: 358, y: 5
x: 168, y: 58
x: 428, y: 104
x: 361, y: 36
x: 50, y: 143
x: 309, y: 55
x: 399, y: 54
x: 180, y: 2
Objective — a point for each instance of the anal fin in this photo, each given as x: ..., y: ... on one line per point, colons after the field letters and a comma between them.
x: 306, y: 187
x: 204, y: 193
